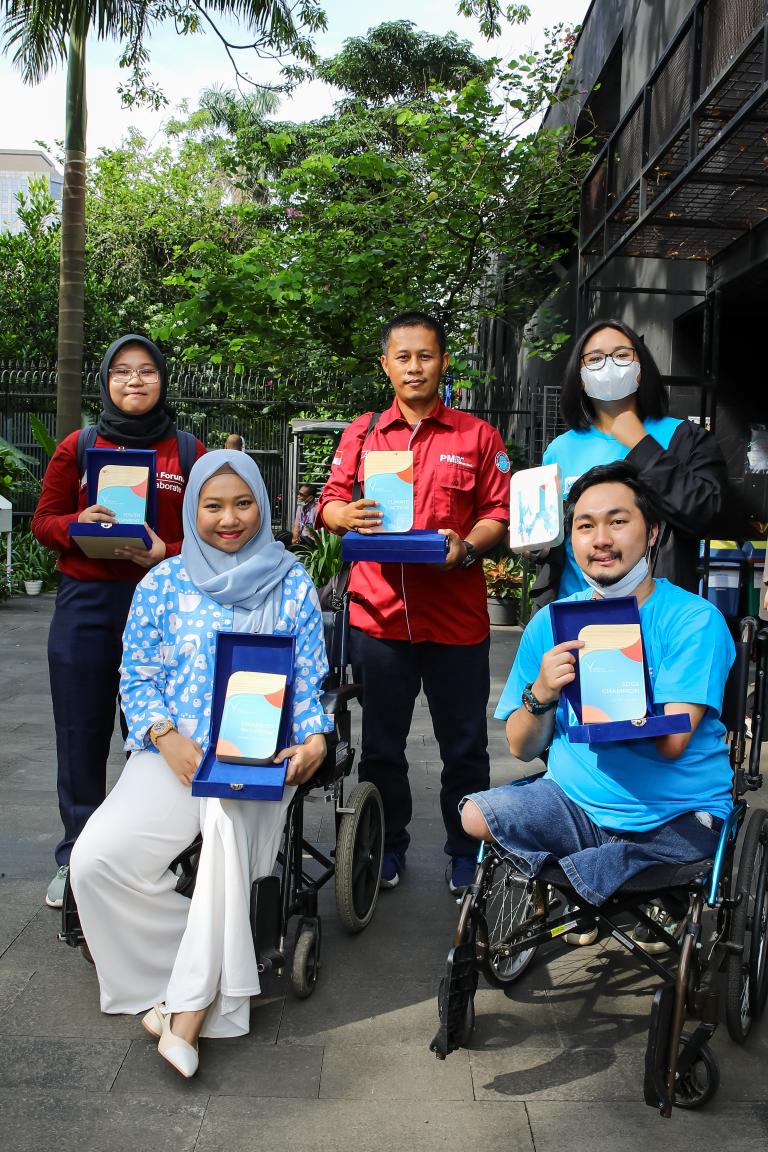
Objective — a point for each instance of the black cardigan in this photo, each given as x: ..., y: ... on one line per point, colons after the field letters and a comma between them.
x: 688, y: 479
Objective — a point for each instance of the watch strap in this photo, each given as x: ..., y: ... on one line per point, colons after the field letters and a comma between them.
x: 470, y: 557
x: 534, y: 706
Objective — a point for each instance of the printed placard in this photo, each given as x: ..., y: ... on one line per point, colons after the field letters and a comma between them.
x: 250, y: 721
x: 612, y: 673
x: 389, y: 481
x: 123, y: 489
x: 536, y: 508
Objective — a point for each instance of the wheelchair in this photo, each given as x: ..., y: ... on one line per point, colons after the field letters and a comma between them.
x: 302, y: 869
x: 719, y: 958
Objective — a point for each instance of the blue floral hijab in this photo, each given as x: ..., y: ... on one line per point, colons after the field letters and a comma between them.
x: 250, y: 580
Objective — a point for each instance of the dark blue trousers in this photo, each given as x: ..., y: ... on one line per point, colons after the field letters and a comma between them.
x: 456, y: 680
x: 85, y: 647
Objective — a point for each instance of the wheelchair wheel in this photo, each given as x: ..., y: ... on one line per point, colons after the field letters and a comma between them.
x: 509, y: 901
x: 698, y: 1084
x: 359, y: 853
x: 747, y: 966
x: 305, y: 963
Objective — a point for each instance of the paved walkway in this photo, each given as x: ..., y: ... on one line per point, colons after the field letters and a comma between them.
x: 557, y: 1066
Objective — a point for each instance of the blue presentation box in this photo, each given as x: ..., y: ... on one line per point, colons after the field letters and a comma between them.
x: 99, y: 541
x: 246, y: 652
x: 568, y: 619
x: 419, y: 546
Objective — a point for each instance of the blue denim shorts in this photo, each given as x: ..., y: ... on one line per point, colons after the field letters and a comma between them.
x: 533, y: 821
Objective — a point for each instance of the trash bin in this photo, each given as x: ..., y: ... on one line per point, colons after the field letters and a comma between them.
x: 726, y: 561
x: 754, y: 550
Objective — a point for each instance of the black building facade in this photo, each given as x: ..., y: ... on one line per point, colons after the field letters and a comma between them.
x: 673, y: 230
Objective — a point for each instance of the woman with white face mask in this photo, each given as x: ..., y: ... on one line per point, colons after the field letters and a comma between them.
x: 615, y: 405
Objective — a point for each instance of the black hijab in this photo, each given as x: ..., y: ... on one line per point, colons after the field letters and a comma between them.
x: 134, y: 431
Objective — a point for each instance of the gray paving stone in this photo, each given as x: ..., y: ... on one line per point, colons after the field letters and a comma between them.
x: 20, y: 903
x: 237, y: 1067
x: 13, y: 981
x: 33, y: 1062
x: 234, y: 1125
x: 37, y: 945
x: 63, y: 1002
x: 368, y: 1009
x: 377, y: 1071
x: 632, y: 1127
x: 540, y: 1073
x: 72, y: 1121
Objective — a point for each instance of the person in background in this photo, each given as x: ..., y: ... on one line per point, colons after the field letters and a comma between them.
x: 421, y: 624
x: 234, y: 443
x: 615, y: 405
x: 304, y: 520
x: 193, y: 963
x: 93, y: 597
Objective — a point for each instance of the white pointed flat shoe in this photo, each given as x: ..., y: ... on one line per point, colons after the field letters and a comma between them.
x: 153, y: 1021
x: 178, y: 1053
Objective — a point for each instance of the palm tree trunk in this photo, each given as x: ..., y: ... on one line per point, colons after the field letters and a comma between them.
x: 72, y: 264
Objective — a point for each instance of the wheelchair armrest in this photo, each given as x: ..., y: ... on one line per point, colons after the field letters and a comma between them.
x: 335, y: 700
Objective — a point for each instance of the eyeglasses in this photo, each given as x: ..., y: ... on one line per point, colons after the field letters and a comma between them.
x: 146, y: 375
x: 620, y: 356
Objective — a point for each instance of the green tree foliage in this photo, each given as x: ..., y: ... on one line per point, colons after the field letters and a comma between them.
x: 398, y: 62
x: 39, y: 34
x: 448, y: 200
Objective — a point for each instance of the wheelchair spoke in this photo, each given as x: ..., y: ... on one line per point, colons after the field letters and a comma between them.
x: 509, y: 905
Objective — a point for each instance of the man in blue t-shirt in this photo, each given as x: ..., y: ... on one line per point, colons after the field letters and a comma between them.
x: 606, y: 812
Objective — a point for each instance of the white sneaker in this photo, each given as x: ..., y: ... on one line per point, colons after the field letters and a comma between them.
x: 54, y: 897
x: 581, y: 939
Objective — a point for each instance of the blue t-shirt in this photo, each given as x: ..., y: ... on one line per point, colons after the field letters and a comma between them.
x: 578, y: 451
x: 628, y: 785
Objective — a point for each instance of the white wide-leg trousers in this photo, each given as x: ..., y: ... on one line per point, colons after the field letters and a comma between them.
x: 150, y: 944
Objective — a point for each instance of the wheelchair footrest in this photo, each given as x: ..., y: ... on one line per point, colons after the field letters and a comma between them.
x: 71, y: 933
x: 266, y: 920
x: 457, y: 990
x: 655, y: 1078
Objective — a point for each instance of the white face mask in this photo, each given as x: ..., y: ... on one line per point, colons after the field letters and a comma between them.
x: 612, y: 381
x: 624, y: 587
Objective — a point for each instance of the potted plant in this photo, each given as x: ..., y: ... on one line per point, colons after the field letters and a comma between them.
x: 503, y: 582
x: 33, y: 565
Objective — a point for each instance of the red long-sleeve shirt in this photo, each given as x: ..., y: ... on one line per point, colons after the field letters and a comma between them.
x: 64, y: 496
x: 460, y: 476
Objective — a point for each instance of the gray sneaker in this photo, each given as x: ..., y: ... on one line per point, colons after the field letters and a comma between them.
x: 54, y: 897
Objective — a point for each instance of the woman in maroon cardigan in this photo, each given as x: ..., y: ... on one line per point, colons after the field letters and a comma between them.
x: 93, y: 598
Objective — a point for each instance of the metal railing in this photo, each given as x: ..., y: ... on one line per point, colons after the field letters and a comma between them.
x: 683, y: 174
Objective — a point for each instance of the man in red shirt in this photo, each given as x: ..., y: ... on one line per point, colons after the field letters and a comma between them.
x: 421, y: 624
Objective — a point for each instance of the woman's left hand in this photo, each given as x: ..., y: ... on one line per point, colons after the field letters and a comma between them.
x: 628, y: 429
x: 140, y: 556
x: 303, y: 759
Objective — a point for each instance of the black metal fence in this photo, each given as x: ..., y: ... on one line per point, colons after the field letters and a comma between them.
x: 211, y: 400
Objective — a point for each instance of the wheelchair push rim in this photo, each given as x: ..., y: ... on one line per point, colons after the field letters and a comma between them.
x: 747, y: 967
x: 359, y: 856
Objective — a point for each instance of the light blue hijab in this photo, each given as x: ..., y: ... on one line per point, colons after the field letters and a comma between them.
x: 250, y: 580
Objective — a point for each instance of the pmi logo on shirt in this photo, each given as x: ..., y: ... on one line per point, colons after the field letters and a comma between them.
x: 449, y: 458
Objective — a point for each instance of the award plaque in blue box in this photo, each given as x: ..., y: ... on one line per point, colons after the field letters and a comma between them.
x: 419, y: 546
x: 99, y: 541
x: 612, y: 695
x: 246, y: 652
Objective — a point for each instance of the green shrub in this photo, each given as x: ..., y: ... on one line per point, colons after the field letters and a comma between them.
x: 31, y: 560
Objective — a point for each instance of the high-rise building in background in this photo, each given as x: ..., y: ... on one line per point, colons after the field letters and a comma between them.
x: 17, y: 167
